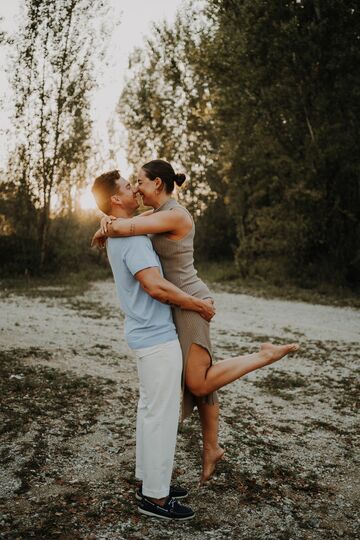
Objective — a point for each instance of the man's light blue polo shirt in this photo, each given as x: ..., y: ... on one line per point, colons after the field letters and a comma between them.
x: 147, y: 321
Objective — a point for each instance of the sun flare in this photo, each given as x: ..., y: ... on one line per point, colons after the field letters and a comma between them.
x: 86, y: 200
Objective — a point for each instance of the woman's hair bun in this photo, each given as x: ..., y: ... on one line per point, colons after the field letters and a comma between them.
x: 179, y: 179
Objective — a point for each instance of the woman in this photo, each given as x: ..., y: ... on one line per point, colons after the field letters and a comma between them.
x: 172, y: 233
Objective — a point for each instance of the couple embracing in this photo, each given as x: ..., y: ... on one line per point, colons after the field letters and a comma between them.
x: 151, y: 256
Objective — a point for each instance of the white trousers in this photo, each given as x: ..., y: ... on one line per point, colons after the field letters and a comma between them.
x: 159, y: 369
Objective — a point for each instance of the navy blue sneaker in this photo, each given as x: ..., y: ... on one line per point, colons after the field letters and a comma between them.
x: 176, y: 492
x: 171, y: 510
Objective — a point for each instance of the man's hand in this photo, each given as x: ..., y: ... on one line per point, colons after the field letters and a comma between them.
x: 207, y: 310
x: 105, y: 221
x: 98, y: 240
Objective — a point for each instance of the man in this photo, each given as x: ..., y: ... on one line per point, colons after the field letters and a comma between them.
x: 149, y: 330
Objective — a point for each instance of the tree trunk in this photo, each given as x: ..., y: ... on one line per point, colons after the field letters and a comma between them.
x: 44, y: 233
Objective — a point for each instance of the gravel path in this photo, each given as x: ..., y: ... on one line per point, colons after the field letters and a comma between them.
x: 290, y: 430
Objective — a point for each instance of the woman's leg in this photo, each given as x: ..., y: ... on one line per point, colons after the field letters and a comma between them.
x: 212, y: 452
x: 202, y: 378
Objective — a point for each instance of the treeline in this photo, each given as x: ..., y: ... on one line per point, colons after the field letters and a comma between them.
x: 52, y: 77
x: 258, y: 102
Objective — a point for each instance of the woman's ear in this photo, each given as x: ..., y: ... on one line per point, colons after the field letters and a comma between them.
x: 158, y: 184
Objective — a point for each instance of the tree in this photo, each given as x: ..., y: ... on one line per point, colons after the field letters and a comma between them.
x: 164, y: 106
x: 285, y: 94
x: 259, y: 101
x: 52, y: 83
x: 166, y: 109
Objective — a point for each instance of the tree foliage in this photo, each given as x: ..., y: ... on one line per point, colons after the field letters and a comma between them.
x: 164, y: 106
x: 52, y: 81
x: 259, y: 101
x: 291, y: 138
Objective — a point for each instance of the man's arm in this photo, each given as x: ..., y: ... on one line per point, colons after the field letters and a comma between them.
x: 162, y: 290
x: 98, y: 240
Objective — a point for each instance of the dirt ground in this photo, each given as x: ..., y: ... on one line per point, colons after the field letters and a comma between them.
x: 69, y: 393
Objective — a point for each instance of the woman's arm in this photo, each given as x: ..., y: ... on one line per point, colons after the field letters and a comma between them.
x: 147, y: 213
x: 104, y: 222
x: 158, y: 222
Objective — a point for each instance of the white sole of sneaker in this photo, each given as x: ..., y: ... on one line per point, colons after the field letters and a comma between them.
x: 150, y: 514
x: 138, y: 497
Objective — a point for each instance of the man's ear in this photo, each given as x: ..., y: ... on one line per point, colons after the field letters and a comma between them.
x: 116, y: 200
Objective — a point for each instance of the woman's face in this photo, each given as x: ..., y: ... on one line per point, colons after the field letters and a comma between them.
x: 147, y: 188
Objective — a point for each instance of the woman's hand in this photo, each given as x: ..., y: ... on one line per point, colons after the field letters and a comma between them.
x: 98, y: 240
x: 207, y: 310
x: 105, y: 221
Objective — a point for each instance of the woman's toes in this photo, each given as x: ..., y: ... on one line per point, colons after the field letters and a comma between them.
x: 210, y: 461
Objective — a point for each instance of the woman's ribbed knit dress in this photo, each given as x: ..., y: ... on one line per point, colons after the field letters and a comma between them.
x: 177, y: 259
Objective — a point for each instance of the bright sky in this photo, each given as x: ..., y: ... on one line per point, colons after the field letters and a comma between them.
x: 135, y: 20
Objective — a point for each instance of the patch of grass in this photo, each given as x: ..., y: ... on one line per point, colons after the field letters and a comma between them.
x: 285, y: 429
x: 44, y: 291
x: 93, y: 310
x: 218, y: 272
x: 22, y: 354
x: 223, y: 277
x: 347, y: 392
x: 58, y: 285
x: 320, y: 424
x: 43, y: 412
x: 281, y: 472
x: 71, y: 288
x: 44, y: 402
x: 105, y: 351
x: 279, y: 383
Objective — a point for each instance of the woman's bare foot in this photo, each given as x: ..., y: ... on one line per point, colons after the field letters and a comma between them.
x: 210, y: 459
x: 272, y: 353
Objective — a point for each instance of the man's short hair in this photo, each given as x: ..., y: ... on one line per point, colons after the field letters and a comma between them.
x: 104, y: 187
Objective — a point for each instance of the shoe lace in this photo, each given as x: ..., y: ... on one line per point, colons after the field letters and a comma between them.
x: 172, y: 503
